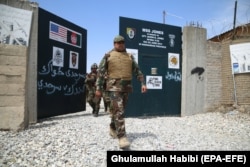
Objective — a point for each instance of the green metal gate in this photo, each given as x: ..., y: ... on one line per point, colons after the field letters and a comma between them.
x: 157, y: 48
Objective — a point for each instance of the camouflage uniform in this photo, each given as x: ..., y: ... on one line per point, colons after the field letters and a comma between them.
x: 105, y: 96
x: 91, y: 88
x: 118, y: 88
x: 106, y: 100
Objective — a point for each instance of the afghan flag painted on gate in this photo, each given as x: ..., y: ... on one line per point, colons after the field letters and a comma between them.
x: 74, y: 38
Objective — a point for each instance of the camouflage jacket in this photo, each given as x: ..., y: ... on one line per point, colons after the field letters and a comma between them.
x: 90, y: 81
x: 112, y: 84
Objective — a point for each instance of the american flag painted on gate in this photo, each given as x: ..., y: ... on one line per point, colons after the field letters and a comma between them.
x: 57, y: 32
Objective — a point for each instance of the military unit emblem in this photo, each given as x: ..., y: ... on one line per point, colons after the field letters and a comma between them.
x: 173, y: 60
x: 171, y: 40
x: 131, y: 32
x: 58, y: 56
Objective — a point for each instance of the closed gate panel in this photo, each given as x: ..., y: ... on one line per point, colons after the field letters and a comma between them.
x: 157, y: 48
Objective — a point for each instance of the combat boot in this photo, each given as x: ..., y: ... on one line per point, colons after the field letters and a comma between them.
x: 123, y: 142
x: 113, y: 133
x: 93, y: 108
x: 105, y: 106
x: 96, y: 112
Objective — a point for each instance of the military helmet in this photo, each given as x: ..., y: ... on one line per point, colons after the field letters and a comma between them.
x: 94, y: 66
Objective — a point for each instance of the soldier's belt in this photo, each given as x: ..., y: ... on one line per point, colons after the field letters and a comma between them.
x: 125, y: 78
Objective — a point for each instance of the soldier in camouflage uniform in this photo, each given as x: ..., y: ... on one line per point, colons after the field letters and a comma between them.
x: 119, y: 67
x: 90, y: 80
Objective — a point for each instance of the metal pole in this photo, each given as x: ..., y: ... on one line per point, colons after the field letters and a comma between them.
x: 235, y: 94
x: 164, y: 13
x: 235, y: 11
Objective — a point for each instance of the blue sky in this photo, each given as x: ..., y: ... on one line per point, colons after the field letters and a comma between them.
x: 101, y: 17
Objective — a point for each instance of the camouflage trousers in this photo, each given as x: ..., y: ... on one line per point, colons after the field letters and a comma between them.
x: 106, y: 100
x: 93, y: 101
x: 118, y: 101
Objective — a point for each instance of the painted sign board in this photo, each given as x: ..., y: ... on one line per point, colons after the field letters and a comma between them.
x: 157, y: 48
x: 61, y: 66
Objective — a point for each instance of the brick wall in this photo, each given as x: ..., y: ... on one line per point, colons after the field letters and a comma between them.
x: 12, y: 87
x: 242, y: 81
x: 227, y: 78
x: 213, y: 81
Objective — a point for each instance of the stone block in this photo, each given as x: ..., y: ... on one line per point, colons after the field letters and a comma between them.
x: 12, y: 101
x: 12, y: 118
x: 12, y: 89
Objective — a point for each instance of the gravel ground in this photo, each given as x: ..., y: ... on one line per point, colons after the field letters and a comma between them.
x: 79, y: 139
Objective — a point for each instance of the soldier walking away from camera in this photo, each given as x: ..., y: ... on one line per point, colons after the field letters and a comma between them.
x: 90, y: 80
x: 119, y: 67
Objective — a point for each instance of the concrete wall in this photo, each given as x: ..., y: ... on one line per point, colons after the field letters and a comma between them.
x: 18, y: 78
x: 217, y: 88
x: 193, y: 61
x: 13, y: 60
x: 32, y: 69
